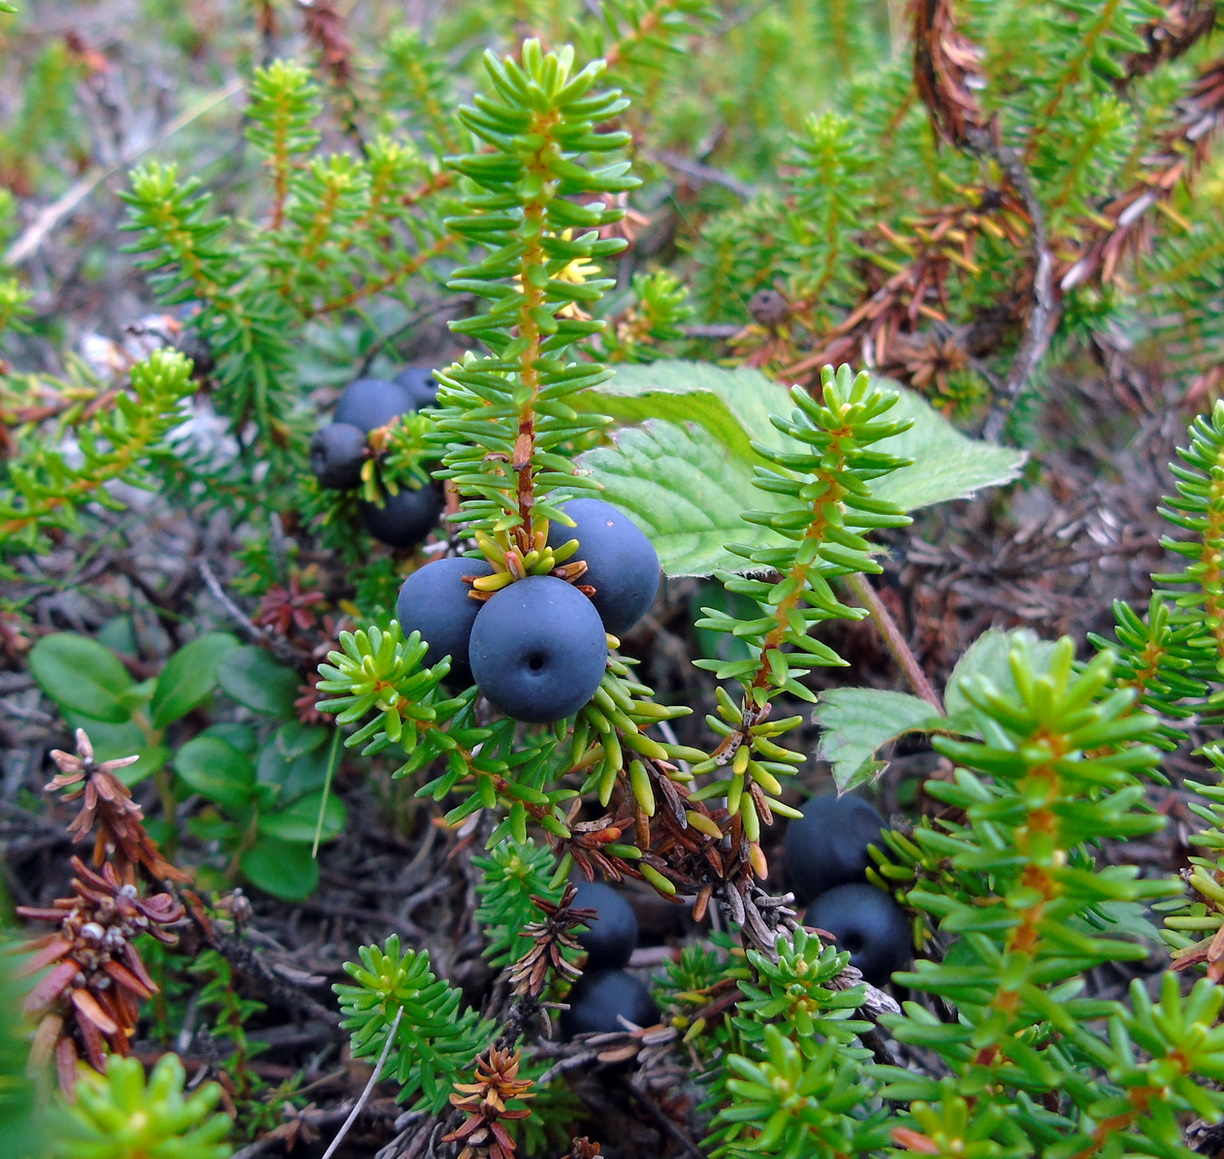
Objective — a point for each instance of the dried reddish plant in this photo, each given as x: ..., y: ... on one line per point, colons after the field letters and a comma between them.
x: 284, y: 609
x: 947, y: 75
x: 485, y: 1102
x: 121, y: 838
x: 89, y: 1001
x: 550, y: 938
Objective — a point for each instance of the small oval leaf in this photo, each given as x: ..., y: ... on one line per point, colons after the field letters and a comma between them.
x: 281, y: 869
x: 256, y: 679
x: 80, y: 674
x: 189, y: 676
x: 217, y: 771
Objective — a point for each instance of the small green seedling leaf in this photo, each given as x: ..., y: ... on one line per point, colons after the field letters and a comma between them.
x: 258, y: 681
x: 80, y: 674
x: 189, y: 676
x: 217, y: 771
x: 857, y: 722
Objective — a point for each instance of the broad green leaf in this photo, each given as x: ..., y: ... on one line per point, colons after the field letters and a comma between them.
x: 280, y: 868
x: 80, y: 674
x: 189, y: 676
x: 946, y: 464
x: 733, y: 406
x: 255, y: 679
x: 988, y: 656
x: 685, y: 473
x: 684, y: 492
x: 299, y: 821
x: 857, y: 722
x: 217, y: 771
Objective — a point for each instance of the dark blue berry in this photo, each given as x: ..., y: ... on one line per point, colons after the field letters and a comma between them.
x: 336, y: 455
x: 867, y: 923
x: 622, y: 564
x: 406, y: 518
x: 434, y: 600
x: 597, y: 998
x: 612, y: 936
x: 828, y: 846
x: 538, y: 650
x: 371, y: 402
x: 419, y: 384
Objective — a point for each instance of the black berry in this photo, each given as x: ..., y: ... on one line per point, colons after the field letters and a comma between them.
x: 336, y: 454
x: 622, y: 564
x: 868, y: 924
x: 538, y: 650
x: 597, y: 999
x: 419, y: 384
x: 612, y: 936
x: 434, y: 600
x: 828, y: 846
x: 407, y: 517
x: 371, y: 402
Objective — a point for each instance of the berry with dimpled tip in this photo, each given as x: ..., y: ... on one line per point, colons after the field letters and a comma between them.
x: 434, y: 600
x: 867, y: 923
x: 337, y: 452
x: 612, y: 935
x: 369, y: 403
x: 538, y: 650
x: 597, y: 998
x: 419, y: 384
x: 828, y: 846
x: 407, y: 517
x: 622, y: 564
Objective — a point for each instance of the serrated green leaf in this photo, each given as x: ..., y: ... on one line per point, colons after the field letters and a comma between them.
x: 684, y: 492
x: 946, y: 464
x: 257, y: 680
x: 189, y: 676
x: 298, y: 822
x: 217, y: 771
x: 80, y: 674
x: 685, y: 473
x: 733, y: 406
x: 987, y: 656
x: 857, y: 722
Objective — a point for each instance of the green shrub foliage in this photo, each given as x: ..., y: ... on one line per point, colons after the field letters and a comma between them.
x: 967, y: 204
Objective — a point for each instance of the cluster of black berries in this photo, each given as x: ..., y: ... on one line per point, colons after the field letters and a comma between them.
x: 827, y: 860
x: 339, y: 449
x: 606, y: 989
x: 537, y: 649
